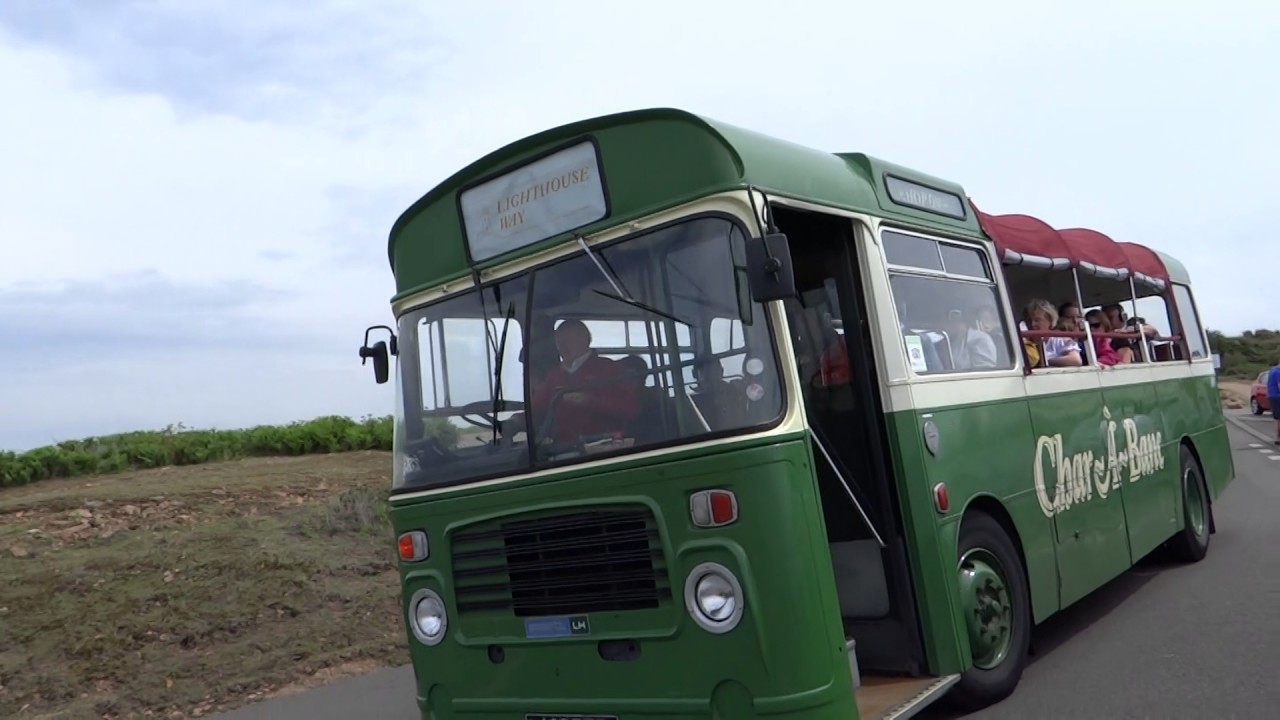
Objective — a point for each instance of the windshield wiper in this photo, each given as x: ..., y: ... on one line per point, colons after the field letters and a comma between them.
x: 643, y: 306
x: 499, y: 355
x: 622, y: 295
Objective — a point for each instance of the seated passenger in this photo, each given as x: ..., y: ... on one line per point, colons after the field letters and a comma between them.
x: 988, y: 321
x: 1058, y: 351
x: 971, y: 348
x: 1102, y: 347
x: 1116, y: 316
x: 721, y: 403
x: 1069, y: 317
x: 599, y: 399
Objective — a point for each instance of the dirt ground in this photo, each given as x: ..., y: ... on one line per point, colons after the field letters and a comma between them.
x: 1234, y: 393
x: 178, y: 592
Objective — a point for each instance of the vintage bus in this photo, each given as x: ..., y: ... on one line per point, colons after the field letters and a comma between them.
x: 692, y: 422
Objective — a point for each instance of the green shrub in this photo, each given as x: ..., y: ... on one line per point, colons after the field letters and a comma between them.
x: 178, y: 445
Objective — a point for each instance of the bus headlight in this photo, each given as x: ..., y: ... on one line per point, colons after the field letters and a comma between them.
x: 427, y: 617
x: 713, y: 597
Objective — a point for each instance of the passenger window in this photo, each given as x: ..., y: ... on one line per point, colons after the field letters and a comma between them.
x: 1190, y: 321
x: 951, y: 316
x: 911, y: 251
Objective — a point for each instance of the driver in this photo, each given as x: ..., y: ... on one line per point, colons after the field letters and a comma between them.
x: 599, y: 397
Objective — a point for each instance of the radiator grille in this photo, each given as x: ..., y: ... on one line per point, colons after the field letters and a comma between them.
x: 581, y: 562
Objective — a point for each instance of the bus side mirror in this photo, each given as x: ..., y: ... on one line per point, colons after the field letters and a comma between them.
x: 381, y: 366
x: 769, y: 270
x: 378, y: 353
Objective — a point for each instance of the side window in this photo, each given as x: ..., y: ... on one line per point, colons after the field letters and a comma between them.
x: 1190, y: 321
x: 948, y: 304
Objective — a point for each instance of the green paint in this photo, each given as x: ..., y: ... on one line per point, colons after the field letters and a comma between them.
x: 1087, y: 481
x: 694, y: 157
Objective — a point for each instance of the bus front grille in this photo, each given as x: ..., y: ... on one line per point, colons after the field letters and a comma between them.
x: 587, y: 561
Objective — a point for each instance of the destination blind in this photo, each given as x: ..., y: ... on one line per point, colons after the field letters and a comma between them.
x: 554, y: 194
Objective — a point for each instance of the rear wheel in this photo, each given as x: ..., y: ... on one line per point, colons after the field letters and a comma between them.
x: 1192, y: 542
x: 1254, y: 406
x: 997, y: 611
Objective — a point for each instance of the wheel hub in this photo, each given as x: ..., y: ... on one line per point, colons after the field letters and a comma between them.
x: 1195, y: 502
x: 988, y: 609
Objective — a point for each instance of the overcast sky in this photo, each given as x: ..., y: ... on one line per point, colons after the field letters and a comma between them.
x: 197, y: 193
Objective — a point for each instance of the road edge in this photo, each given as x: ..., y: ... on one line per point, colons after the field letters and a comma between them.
x: 1245, y: 427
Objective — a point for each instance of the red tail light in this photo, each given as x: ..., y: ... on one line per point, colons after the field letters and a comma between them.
x: 940, y: 498
x: 713, y: 508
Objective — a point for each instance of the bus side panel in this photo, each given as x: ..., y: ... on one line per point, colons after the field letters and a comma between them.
x: 932, y: 560
x: 1138, y: 410
x: 972, y: 466
x: 1193, y: 409
x: 1214, y: 447
x: 1088, y: 511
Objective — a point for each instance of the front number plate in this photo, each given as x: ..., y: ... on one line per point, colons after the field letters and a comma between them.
x: 563, y: 716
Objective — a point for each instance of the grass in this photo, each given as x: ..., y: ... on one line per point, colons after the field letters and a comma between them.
x: 180, y: 591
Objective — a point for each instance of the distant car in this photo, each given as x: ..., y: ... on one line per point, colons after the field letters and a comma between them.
x: 1258, y: 394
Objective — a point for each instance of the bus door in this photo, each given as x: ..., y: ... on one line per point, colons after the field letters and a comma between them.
x: 838, y: 379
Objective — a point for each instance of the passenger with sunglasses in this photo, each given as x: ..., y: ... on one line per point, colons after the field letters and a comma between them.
x: 1107, y: 355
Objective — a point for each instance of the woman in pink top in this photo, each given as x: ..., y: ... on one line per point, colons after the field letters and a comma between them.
x: 1107, y: 355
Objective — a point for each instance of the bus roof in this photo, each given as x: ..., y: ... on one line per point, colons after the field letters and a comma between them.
x: 653, y: 159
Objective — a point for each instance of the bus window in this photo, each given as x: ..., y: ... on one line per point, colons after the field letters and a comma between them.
x: 948, y: 305
x: 1192, y: 331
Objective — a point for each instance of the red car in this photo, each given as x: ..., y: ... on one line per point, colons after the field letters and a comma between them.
x: 1258, y: 394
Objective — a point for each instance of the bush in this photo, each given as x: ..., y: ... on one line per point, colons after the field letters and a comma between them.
x: 177, y: 445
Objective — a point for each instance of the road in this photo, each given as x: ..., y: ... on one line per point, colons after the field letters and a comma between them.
x: 1161, y: 641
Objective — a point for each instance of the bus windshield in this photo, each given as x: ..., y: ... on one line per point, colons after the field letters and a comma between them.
x: 645, y: 342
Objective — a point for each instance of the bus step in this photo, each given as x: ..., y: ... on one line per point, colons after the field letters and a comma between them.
x: 897, y: 698
x: 849, y: 644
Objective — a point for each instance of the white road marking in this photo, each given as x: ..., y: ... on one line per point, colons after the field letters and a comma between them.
x: 1255, y: 445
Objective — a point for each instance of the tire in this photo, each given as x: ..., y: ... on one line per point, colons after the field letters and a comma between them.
x: 1254, y: 406
x: 993, y: 583
x: 1191, y: 543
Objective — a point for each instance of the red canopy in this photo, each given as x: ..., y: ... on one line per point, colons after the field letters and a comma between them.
x: 1096, y: 253
x: 1026, y: 240
x: 1144, y: 262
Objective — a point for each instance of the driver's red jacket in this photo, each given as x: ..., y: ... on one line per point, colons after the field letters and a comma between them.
x: 609, y: 405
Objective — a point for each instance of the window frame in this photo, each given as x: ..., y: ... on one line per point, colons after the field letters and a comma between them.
x: 528, y: 272
x: 993, y: 280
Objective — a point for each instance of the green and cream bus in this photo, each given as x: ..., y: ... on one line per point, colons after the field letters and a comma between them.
x: 692, y: 422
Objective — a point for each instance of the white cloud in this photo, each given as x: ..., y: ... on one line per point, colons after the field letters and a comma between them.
x: 275, y: 148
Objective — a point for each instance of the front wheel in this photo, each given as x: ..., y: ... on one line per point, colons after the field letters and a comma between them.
x: 1191, y: 543
x: 1254, y: 406
x: 997, y: 611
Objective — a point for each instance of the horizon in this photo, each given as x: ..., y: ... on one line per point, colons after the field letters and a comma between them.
x: 199, y: 199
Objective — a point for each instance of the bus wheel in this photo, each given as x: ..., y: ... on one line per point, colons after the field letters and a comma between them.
x: 997, y: 612
x: 1192, y: 542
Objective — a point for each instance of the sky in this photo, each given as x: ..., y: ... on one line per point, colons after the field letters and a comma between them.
x: 197, y: 195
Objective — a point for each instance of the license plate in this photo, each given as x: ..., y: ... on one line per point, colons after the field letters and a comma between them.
x: 563, y: 716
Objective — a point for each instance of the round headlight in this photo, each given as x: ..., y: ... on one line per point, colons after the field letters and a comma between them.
x: 716, y: 597
x: 713, y: 596
x: 428, y: 617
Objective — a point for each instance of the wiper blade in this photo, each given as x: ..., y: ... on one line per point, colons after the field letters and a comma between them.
x: 643, y: 306
x: 622, y: 295
x: 500, y: 354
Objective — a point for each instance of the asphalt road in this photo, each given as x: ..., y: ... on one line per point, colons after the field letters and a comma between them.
x: 1162, y: 641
